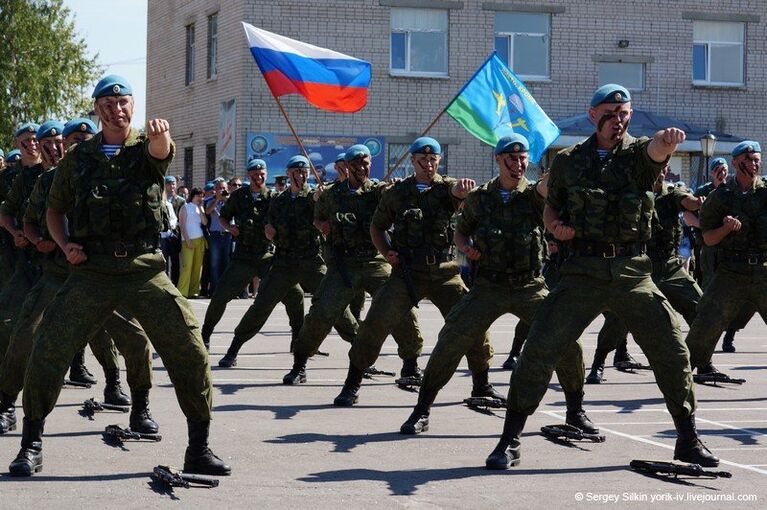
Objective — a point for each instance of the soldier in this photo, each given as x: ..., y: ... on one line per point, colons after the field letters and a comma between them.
x: 668, y: 271
x: 600, y: 203
x: 112, y: 187
x: 280, y: 183
x: 170, y: 240
x: 734, y: 219
x: 297, y: 259
x: 500, y: 228
x: 344, y: 216
x: 253, y: 254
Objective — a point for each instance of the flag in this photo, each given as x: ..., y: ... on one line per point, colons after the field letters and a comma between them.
x: 327, y: 79
x: 495, y: 103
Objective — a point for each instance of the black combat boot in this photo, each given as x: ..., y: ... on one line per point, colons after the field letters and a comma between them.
x: 230, y: 358
x: 710, y: 370
x: 507, y: 452
x: 482, y: 386
x: 419, y: 419
x: 727, y: 341
x: 199, y: 458
x: 410, y: 368
x: 207, y: 331
x: 348, y: 395
x: 297, y: 374
x: 576, y: 416
x: 510, y: 363
x: 622, y: 356
x: 113, y: 392
x: 7, y: 413
x: 30, y: 457
x: 516, y: 350
x: 688, y: 447
x: 140, y: 417
x: 78, y: 372
x: 596, y: 375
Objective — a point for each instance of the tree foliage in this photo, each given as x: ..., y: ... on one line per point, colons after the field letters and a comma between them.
x: 44, y: 65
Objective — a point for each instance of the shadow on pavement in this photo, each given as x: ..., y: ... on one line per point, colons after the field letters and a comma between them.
x: 346, y: 443
x: 286, y: 412
x: 746, y: 436
x: 626, y: 406
x: 77, y: 478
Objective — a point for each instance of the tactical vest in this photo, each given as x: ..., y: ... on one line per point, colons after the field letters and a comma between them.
x: 508, y: 235
x: 609, y: 212
x: 751, y: 210
x: 296, y: 236
x: 250, y: 218
x: 115, y: 200
x: 350, y: 217
x: 666, y: 229
x: 423, y: 219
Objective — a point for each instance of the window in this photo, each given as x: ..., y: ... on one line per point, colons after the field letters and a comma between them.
x: 717, y: 53
x: 212, y: 45
x: 522, y: 41
x: 189, y: 54
x: 419, y: 42
x: 405, y: 169
x: 630, y: 75
x: 188, y: 166
x: 210, y: 162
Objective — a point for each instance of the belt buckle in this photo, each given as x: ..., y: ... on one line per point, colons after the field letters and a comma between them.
x: 121, y: 251
x: 431, y: 260
x: 753, y: 259
x: 610, y: 255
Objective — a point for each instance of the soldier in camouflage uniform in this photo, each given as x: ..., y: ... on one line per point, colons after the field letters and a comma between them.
x: 115, y: 201
x: 297, y: 260
x: 421, y: 208
x: 503, y: 221
x: 734, y: 220
x: 253, y: 253
x: 344, y: 216
x: 668, y: 271
x: 7, y: 257
x: 600, y: 203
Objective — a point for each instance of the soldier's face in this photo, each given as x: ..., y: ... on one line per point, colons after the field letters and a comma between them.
x: 76, y: 137
x: 257, y: 178
x: 52, y: 149
x: 611, y: 120
x: 115, y: 111
x: 719, y: 173
x: 513, y: 165
x: 170, y: 188
x: 425, y: 165
x: 748, y: 164
x: 28, y: 145
x: 359, y: 170
x: 297, y: 177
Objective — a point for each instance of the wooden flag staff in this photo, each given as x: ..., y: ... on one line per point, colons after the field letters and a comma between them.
x: 300, y: 143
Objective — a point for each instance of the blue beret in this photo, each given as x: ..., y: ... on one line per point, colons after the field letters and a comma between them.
x: 610, y: 93
x: 170, y: 178
x: 746, y: 146
x: 298, y: 162
x: 511, y: 144
x: 27, y: 127
x: 209, y: 186
x: 716, y: 162
x: 81, y: 125
x: 2, y: 153
x: 356, y: 151
x: 112, y: 85
x: 12, y: 156
x: 256, y: 164
x: 425, y: 145
x: 341, y: 157
x: 50, y: 128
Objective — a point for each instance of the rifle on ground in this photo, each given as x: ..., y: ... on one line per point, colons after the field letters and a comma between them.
x: 371, y: 371
x: 76, y: 384
x: 674, y: 469
x: 92, y: 406
x: 630, y: 366
x: 571, y: 432
x: 716, y: 377
x: 176, y: 478
x: 484, y: 403
x: 120, y: 434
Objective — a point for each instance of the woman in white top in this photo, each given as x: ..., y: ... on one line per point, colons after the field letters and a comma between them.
x: 191, y: 218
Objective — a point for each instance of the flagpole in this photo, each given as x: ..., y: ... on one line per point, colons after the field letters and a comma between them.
x: 439, y: 115
x: 298, y: 140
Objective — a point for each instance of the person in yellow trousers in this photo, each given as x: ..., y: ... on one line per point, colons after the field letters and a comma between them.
x: 191, y: 218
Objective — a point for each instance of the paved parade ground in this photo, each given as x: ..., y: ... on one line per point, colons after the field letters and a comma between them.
x: 290, y: 448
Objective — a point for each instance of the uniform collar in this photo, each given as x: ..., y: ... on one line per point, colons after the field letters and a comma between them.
x: 495, y: 185
x: 733, y: 185
x: 623, y: 145
x: 303, y: 192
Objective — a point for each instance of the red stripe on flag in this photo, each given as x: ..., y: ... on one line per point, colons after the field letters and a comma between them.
x: 326, y: 97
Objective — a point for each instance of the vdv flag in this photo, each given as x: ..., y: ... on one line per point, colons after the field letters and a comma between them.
x: 327, y: 79
x: 495, y: 103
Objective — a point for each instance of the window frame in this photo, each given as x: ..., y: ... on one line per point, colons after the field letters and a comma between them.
x: 190, y: 54
x: 188, y: 166
x: 212, y: 56
x: 509, y: 36
x: 631, y: 89
x: 210, y: 162
x: 418, y: 74
x: 707, y: 45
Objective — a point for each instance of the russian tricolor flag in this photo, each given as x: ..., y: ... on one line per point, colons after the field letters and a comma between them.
x: 327, y: 79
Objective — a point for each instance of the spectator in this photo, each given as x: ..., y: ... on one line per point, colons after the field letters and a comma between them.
x: 233, y: 184
x: 191, y: 219
x: 183, y: 192
x: 170, y: 240
x: 219, y: 239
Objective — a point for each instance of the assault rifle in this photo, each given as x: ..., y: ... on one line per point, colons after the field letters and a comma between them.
x: 484, y: 403
x: 120, y: 434
x: 76, y: 384
x: 571, y: 432
x: 91, y: 406
x: 674, y: 469
x: 176, y: 478
x: 716, y: 377
x: 371, y: 371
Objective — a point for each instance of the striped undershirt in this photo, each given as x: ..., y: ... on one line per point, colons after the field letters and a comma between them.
x: 603, y: 153
x: 109, y: 150
x: 505, y: 195
x: 422, y: 187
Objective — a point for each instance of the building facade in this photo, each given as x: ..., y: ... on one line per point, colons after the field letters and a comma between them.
x: 702, y: 62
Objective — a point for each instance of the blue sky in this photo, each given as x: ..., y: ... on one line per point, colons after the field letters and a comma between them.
x: 115, y: 31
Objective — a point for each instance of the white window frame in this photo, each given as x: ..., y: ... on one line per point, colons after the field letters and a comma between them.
x: 212, y: 55
x: 418, y: 74
x: 709, y: 44
x: 510, y: 39
x: 190, y: 53
x: 644, y: 73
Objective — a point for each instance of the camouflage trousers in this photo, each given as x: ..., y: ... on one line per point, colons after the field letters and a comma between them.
x: 129, y: 336
x: 238, y: 273
x: 676, y: 284
x: 25, y: 273
x: 83, y: 305
x: 588, y: 287
x: 283, y: 279
x: 440, y: 283
x: 733, y: 287
x: 334, y: 295
x: 466, y: 326
x: 711, y: 257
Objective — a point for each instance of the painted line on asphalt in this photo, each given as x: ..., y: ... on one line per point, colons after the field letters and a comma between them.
x: 664, y: 410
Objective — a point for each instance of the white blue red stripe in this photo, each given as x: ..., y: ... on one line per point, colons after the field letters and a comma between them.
x: 327, y: 79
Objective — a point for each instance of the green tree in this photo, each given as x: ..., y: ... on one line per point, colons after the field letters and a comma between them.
x: 44, y: 65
